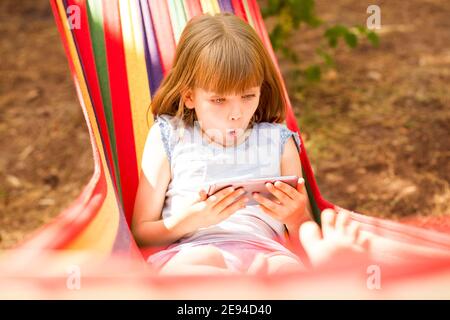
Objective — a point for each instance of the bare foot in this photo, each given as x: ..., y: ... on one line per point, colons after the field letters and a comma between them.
x: 259, y: 265
x: 338, y: 242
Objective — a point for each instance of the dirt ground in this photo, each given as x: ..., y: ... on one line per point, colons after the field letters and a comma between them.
x: 376, y: 128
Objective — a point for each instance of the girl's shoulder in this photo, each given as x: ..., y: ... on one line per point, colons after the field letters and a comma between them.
x: 171, y: 130
x: 167, y: 121
x: 280, y: 132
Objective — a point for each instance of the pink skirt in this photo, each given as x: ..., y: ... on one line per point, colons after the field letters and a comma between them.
x: 238, y: 255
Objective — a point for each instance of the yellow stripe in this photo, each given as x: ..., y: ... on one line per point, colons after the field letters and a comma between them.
x: 248, y: 13
x: 100, y: 234
x: 215, y: 5
x: 136, y: 73
x: 210, y: 6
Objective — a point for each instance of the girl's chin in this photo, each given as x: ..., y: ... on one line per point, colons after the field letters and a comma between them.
x: 233, y: 137
x: 230, y: 138
x: 232, y: 134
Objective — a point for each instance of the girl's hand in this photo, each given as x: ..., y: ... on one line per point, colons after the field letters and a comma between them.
x: 291, y: 206
x: 206, y: 211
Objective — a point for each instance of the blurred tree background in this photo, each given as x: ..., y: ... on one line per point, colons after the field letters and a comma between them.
x: 373, y: 108
x: 290, y: 16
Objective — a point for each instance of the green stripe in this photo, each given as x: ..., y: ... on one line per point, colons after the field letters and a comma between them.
x: 95, y: 16
x: 248, y: 13
x: 181, y: 14
x: 312, y: 201
x: 178, y: 17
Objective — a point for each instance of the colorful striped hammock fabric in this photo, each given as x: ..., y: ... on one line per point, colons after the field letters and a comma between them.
x: 118, y: 53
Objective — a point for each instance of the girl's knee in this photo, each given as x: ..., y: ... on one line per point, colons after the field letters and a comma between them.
x: 200, y: 255
x: 283, y: 264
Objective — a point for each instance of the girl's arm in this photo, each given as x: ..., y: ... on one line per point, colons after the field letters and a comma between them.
x: 291, y: 165
x: 147, y: 226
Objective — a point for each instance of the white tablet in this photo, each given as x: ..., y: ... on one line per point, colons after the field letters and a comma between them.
x: 252, y: 185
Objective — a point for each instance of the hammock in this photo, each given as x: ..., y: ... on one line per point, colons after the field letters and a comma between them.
x: 118, y: 52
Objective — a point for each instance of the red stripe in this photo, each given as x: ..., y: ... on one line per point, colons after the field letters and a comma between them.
x: 291, y: 121
x: 84, y: 45
x: 120, y: 100
x: 402, y: 233
x: 239, y: 9
x: 163, y: 32
x: 193, y: 8
x: 73, y: 220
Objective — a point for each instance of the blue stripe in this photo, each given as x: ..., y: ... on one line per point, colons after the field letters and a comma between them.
x: 152, y: 58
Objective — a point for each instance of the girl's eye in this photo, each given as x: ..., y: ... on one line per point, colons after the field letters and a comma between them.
x: 222, y: 100
x: 218, y: 100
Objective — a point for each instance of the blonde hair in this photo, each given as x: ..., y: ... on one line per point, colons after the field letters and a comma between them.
x: 220, y: 53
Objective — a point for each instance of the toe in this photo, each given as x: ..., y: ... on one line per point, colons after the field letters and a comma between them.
x: 364, y: 242
x: 353, y: 231
x: 259, y: 265
x: 309, y: 234
x: 328, y: 218
x: 342, y: 221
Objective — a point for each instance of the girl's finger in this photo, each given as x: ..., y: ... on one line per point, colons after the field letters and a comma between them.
x: 301, y: 186
x: 202, y: 196
x: 219, y: 195
x: 228, y: 199
x: 278, y: 193
x: 269, y: 212
x: 232, y: 208
x: 268, y: 203
x: 287, y: 189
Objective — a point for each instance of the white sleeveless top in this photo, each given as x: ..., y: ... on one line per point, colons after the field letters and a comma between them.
x: 195, y: 163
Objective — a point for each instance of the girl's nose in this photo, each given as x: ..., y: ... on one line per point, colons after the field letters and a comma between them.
x: 236, y: 114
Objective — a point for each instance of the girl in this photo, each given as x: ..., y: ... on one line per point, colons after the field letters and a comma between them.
x: 219, y: 114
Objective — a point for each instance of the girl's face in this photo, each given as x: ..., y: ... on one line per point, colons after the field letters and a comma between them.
x: 223, y: 118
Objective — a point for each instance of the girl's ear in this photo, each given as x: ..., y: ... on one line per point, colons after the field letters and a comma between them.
x: 188, y: 98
